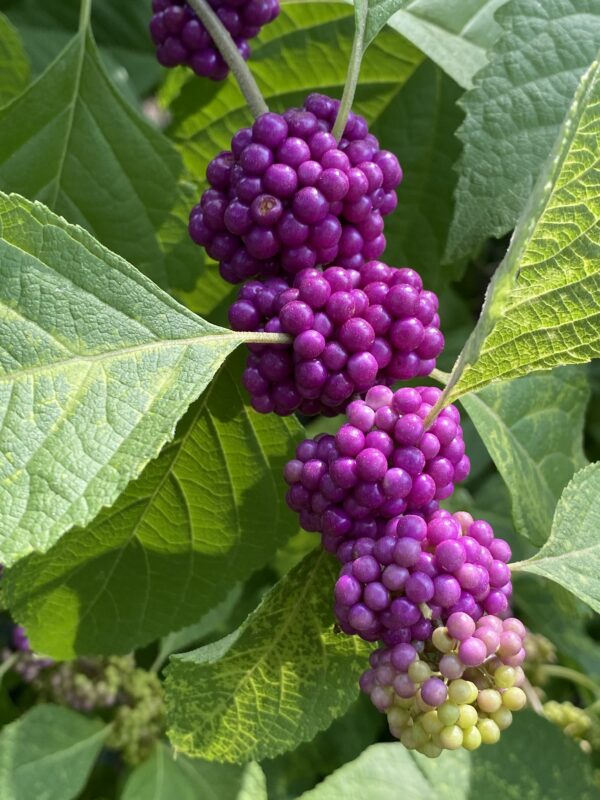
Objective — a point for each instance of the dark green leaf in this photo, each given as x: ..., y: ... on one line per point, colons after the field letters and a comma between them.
x: 14, y: 66
x: 163, y: 777
x: 533, y: 429
x: 206, y: 514
x: 571, y: 556
x: 274, y: 683
x: 47, y: 754
x: 418, y: 125
x: 73, y: 143
x: 456, y: 35
x: 515, y: 111
x: 534, y: 760
x: 543, y: 304
x: 121, y: 30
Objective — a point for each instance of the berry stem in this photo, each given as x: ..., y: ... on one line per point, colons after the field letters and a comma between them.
x: 572, y: 675
x: 361, y: 9
x: 227, y: 47
x: 266, y: 338
x: 439, y: 376
x: 533, y: 698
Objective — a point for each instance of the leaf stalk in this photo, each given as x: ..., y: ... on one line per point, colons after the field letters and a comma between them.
x: 361, y: 10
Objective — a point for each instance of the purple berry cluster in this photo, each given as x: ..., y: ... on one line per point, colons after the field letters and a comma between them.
x: 182, y: 40
x: 289, y: 197
x: 380, y: 464
x: 457, y: 689
x: 298, y: 217
x: 350, y: 329
x: 421, y: 572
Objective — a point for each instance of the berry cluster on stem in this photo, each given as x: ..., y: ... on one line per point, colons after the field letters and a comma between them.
x: 295, y: 211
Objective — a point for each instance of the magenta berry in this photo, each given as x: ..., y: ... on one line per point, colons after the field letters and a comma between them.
x: 181, y: 38
x: 288, y: 197
x: 336, y: 355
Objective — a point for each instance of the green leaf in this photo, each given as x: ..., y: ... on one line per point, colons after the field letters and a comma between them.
x: 72, y: 142
x: 254, y: 783
x: 456, y: 36
x: 206, y: 514
x: 419, y: 125
x: 292, y: 773
x: 208, y: 623
x: 275, y: 682
x: 377, y: 774
x: 571, y: 556
x: 378, y: 13
x: 97, y: 365
x: 48, y: 753
x: 306, y: 49
x: 534, y: 759
x: 542, y: 307
x: 163, y: 777
x: 515, y: 111
x: 14, y: 66
x: 533, y: 429
x: 543, y: 614
x: 121, y: 30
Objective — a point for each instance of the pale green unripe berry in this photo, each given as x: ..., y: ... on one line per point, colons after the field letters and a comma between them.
x: 489, y: 700
x: 461, y: 691
x: 468, y: 716
x: 408, y: 739
x: 502, y: 718
x: 420, y: 735
x: 431, y: 723
x: 442, y: 641
x: 514, y: 699
x: 451, y: 737
x: 398, y: 717
x: 490, y: 732
x: 431, y: 750
x: 505, y: 677
x: 471, y: 738
x: 419, y: 671
x: 448, y: 713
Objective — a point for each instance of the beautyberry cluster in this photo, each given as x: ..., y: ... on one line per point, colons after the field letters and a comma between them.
x: 181, y: 38
x: 380, y: 464
x: 350, y: 329
x: 288, y: 196
x: 131, y: 697
x: 420, y: 570
x: 458, y: 689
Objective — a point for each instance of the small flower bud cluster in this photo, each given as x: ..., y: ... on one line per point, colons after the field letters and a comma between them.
x: 182, y: 40
x: 349, y: 329
x: 289, y: 197
x: 448, y: 693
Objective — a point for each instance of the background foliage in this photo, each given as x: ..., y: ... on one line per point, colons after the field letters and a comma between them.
x: 141, y: 503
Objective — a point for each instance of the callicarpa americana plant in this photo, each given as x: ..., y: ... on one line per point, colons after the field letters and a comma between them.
x: 299, y: 431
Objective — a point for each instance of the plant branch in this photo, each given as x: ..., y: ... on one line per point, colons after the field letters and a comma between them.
x: 85, y: 10
x: 361, y: 9
x: 227, y: 47
x: 572, y: 675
